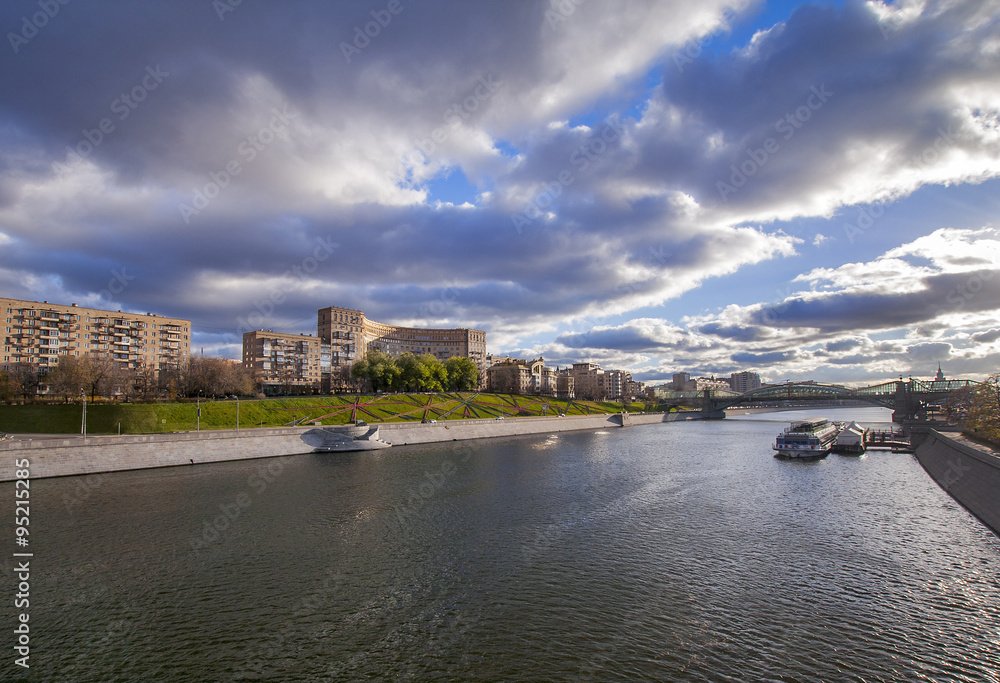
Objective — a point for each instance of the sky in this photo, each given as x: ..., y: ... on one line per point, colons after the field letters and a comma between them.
x: 806, y: 190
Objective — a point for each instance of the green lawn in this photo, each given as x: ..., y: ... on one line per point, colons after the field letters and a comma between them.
x: 275, y: 412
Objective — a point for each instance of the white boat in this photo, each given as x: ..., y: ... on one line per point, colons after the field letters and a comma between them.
x: 807, y: 438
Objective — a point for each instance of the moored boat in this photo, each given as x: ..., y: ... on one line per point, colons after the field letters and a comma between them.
x: 807, y: 438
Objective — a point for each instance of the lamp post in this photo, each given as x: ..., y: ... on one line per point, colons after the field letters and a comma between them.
x: 237, y: 413
x: 197, y: 400
x: 83, y: 419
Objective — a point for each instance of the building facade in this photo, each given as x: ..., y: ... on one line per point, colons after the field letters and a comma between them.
x: 742, y: 382
x: 351, y: 335
x: 515, y: 376
x: 36, y: 334
x: 287, y: 363
x: 590, y: 382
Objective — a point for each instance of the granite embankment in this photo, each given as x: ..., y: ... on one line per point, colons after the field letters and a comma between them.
x: 969, y: 472
x: 73, y: 455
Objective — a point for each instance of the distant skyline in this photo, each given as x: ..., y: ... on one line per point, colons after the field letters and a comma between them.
x: 806, y: 190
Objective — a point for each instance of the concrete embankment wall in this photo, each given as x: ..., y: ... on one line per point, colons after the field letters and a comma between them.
x: 54, y: 457
x: 72, y: 455
x: 970, y: 474
x: 400, y: 433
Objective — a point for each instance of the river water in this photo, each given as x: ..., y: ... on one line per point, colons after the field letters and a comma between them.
x: 676, y: 552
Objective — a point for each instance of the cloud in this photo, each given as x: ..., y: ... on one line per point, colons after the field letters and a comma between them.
x: 987, y: 336
x: 934, y: 312
x: 594, y: 160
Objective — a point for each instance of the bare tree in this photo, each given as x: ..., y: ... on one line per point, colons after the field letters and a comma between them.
x: 25, y: 378
x: 70, y: 376
x: 9, y: 388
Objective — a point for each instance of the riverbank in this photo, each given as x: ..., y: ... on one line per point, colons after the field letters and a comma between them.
x: 68, y: 456
x: 968, y: 471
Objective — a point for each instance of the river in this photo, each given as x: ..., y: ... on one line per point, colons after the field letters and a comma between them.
x: 676, y: 552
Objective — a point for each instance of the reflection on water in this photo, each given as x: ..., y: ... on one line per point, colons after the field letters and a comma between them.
x: 680, y: 551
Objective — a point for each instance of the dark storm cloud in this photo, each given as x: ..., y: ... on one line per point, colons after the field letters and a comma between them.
x: 772, y: 358
x: 625, y: 339
x: 860, y: 311
x: 735, y: 332
x: 987, y: 337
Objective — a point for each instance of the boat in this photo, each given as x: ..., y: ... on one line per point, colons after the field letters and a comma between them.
x: 807, y: 438
x: 851, y: 440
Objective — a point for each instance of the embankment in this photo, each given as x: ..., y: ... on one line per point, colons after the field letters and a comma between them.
x: 970, y: 473
x: 73, y: 455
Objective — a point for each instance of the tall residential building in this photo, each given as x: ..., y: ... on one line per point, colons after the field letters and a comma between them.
x: 287, y: 363
x: 351, y: 335
x: 680, y: 381
x: 742, y: 382
x: 36, y: 334
x: 590, y: 382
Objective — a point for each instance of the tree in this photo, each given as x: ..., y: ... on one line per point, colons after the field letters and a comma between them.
x: 983, y: 418
x: 379, y: 369
x: 69, y: 376
x: 145, y: 381
x: 9, y: 388
x: 958, y: 403
x: 25, y: 378
x: 463, y: 375
x: 216, y: 377
x: 421, y: 373
x: 102, y: 372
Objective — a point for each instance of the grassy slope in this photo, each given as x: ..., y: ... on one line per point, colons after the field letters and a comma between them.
x: 332, y: 410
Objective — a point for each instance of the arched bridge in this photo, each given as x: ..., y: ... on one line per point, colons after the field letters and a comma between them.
x: 909, y: 399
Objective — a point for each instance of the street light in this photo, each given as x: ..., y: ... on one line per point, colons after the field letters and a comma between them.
x: 197, y: 400
x: 83, y: 419
x: 237, y: 413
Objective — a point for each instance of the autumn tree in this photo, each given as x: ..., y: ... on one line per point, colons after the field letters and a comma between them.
x: 983, y: 418
x: 70, y: 376
x: 9, y: 388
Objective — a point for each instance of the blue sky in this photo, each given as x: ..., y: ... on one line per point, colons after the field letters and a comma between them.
x: 807, y: 190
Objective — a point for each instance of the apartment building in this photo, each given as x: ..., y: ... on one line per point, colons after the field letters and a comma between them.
x: 287, y: 363
x: 36, y: 334
x: 514, y: 376
x: 589, y: 381
x: 351, y: 335
x: 742, y: 382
